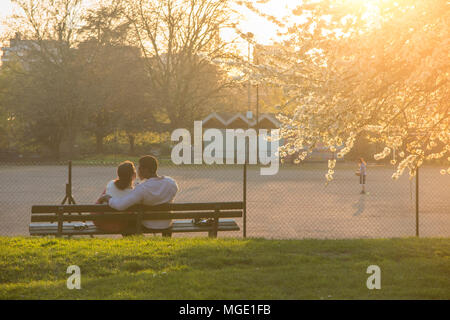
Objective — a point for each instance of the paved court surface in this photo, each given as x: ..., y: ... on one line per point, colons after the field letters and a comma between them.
x: 295, y: 203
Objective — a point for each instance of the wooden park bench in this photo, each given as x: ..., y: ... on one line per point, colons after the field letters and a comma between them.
x: 70, y: 219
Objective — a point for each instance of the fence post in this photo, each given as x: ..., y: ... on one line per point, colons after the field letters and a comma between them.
x: 71, y: 200
x: 417, y: 202
x: 245, y: 201
x: 60, y: 214
x: 69, y: 197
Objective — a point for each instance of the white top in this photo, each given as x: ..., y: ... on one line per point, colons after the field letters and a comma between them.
x: 362, y: 169
x: 149, y: 192
x: 113, y: 191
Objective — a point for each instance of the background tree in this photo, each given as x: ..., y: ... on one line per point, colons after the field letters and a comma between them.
x: 35, y: 99
x: 5, y: 117
x: 46, y: 95
x: 103, y: 57
x: 180, y: 40
x: 137, y: 112
x: 115, y: 77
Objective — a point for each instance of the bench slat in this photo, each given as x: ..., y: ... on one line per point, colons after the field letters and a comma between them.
x: 75, y: 208
x: 68, y: 226
x: 130, y: 216
x: 178, y: 226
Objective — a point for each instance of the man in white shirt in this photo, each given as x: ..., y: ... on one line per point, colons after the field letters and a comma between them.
x: 152, y: 190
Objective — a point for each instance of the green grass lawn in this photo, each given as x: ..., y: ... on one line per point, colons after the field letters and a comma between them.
x: 200, y: 268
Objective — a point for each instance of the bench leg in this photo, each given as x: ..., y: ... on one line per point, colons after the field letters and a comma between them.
x: 212, y: 234
x: 167, y: 234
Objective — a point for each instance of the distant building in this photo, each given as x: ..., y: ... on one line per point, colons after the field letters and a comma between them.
x: 19, y: 48
x: 228, y: 120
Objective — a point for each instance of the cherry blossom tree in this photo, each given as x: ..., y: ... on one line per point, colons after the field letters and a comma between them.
x: 378, y: 67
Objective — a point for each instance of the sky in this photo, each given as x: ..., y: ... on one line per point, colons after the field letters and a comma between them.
x: 5, y: 10
x: 264, y: 31
x: 5, y: 7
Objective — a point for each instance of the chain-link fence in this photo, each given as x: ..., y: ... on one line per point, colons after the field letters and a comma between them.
x: 295, y: 203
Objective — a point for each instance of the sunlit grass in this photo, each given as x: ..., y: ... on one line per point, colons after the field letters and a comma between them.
x: 156, y: 268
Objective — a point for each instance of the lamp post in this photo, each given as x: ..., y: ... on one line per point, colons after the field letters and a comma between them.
x: 248, y: 37
x: 257, y: 118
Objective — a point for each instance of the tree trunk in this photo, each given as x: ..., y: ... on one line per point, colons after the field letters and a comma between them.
x: 55, y: 150
x: 71, y: 138
x: 99, y: 143
x: 131, y: 140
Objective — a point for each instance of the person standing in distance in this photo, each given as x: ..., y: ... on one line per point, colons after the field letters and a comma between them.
x: 362, y: 174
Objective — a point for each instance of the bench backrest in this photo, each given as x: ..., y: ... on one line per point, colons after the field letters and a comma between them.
x: 76, y: 212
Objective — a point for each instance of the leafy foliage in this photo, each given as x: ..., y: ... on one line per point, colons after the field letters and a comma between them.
x: 356, y: 66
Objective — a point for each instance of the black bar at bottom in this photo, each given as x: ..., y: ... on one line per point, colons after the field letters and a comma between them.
x: 230, y: 309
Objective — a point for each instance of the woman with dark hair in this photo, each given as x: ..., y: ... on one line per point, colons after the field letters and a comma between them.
x: 120, y: 187
x: 126, y: 174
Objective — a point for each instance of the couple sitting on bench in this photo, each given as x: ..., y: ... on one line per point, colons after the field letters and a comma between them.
x: 152, y: 190
x: 153, y: 213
